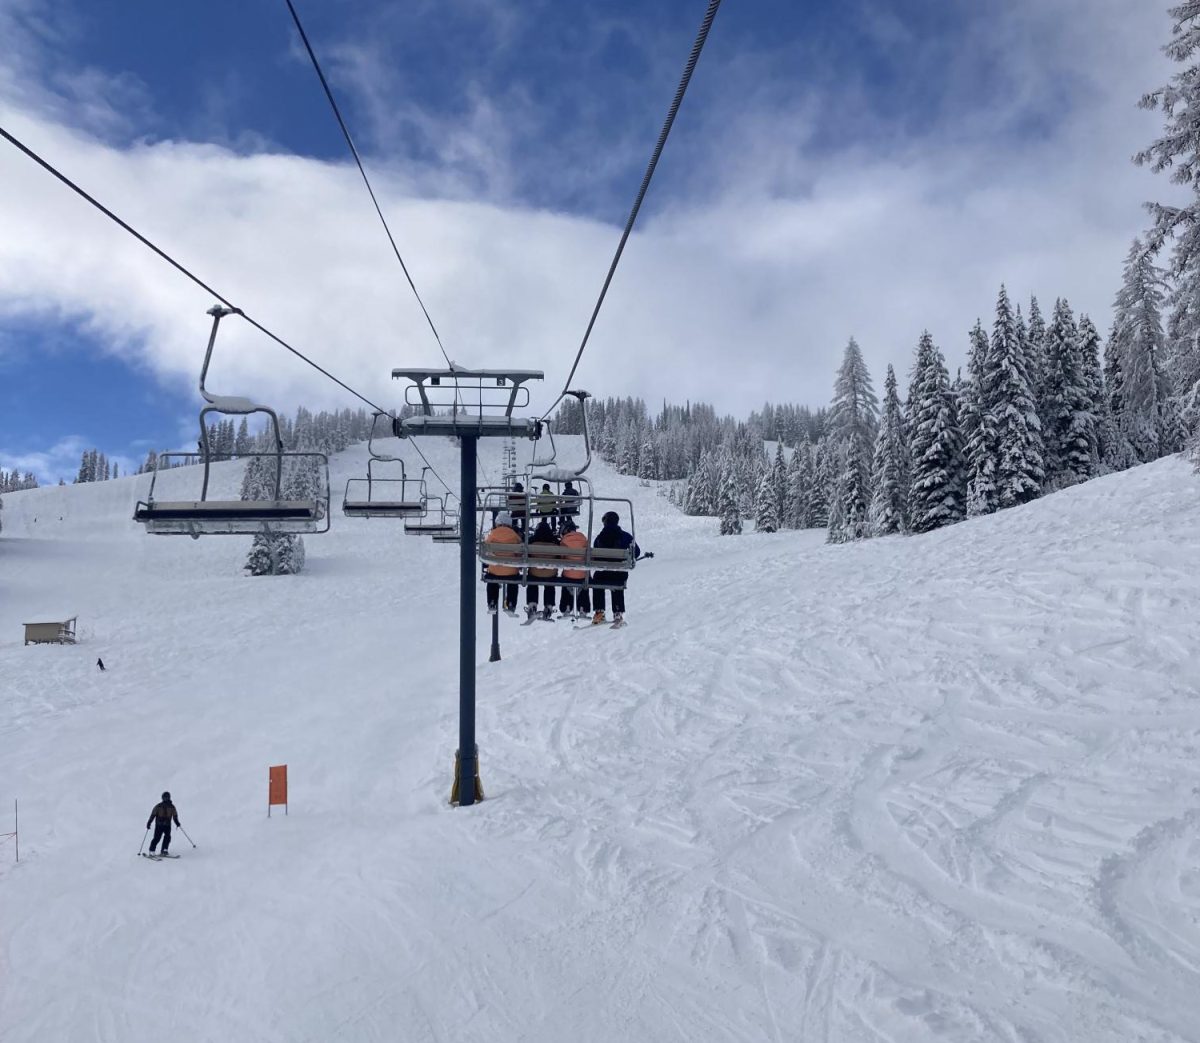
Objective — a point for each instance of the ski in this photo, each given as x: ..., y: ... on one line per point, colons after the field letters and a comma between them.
x: 617, y: 624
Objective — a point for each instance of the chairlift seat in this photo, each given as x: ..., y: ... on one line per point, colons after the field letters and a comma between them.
x: 231, y: 517
x: 382, y: 508
x: 430, y: 528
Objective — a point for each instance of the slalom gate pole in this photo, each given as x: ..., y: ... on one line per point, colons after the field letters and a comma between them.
x: 189, y: 839
x: 143, y: 843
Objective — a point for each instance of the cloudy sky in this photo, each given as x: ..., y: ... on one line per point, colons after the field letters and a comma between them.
x: 839, y: 167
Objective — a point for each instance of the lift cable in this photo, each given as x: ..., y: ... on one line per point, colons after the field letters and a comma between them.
x: 697, y: 47
x: 366, y: 181
x: 51, y: 169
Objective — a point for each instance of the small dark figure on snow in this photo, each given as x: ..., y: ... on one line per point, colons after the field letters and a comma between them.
x: 100, y: 663
x: 162, y: 816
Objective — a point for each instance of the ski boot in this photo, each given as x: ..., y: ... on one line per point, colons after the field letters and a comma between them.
x: 598, y: 618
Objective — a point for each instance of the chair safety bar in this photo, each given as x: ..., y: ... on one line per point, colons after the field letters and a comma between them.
x: 551, y: 556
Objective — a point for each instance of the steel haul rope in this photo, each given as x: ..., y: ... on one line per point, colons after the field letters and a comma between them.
x: 688, y: 69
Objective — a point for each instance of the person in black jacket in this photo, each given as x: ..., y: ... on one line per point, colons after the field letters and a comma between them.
x: 545, y: 535
x: 162, y: 816
x: 612, y: 536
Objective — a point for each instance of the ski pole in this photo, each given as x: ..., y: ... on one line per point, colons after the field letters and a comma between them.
x: 184, y: 832
x: 143, y: 843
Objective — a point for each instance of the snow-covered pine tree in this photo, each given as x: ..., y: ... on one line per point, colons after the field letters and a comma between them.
x: 647, y: 461
x: 1068, y: 434
x: 779, y: 483
x: 979, y: 429
x: 257, y: 485
x: 728, y: 505
x: 1137, y: 345
x: 851, y: 498
x: 821, y: 493
x: 1007, y: 396
x: 1177, y: 151
x: 241, y: 443
x: 766, y: 516
x: 702, y: 487
x: 1035, y: 354
x: 854, y: 414
x: 890, y: 468
x: 1093, y: 382
x: 938, y: 486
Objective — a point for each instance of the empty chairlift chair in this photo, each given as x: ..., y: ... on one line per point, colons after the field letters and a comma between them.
x: 270, y: 515
x: 373, y: 497
x: 436, y: 522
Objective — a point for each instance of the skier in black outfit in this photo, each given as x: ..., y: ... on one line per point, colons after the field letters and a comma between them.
x: 612, y: 536
x: 162, y: 816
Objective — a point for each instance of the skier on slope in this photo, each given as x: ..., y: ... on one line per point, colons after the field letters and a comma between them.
x: 161, y: 817
x: 612, y: 536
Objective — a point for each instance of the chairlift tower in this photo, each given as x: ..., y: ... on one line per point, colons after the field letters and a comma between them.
x: 478, y: 403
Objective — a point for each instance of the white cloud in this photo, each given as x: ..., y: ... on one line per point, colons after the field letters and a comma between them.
x: 60, y: 460
x: 743, y: 289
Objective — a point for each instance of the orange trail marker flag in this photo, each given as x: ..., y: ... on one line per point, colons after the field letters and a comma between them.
x: 277, y: 787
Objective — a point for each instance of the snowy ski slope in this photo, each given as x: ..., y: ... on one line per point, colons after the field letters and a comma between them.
x: 935, y: 788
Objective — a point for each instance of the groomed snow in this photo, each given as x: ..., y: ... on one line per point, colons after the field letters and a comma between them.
x: 941, y: 787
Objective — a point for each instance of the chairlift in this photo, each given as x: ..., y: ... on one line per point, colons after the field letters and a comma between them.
x: 586, y: 506
x: 583, y: 504
x: 452, y: 516
x: 205, y: 517
x: 401, y: 497
x: 440, y: 523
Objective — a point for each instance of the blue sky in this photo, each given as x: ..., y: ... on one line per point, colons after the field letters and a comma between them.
x: 850, y: 167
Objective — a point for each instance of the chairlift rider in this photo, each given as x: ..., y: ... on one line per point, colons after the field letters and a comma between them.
x: 543, y: 534
x: 503, y: 533
x: 612, y: 536
x: 574, y: 598
x: 516, y: 506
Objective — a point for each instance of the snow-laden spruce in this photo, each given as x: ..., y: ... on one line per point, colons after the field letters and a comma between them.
x: 1177, y: 223
x: 938, y: 485
x: 853, y: 427
x: 1006, y: 394
x: 978, y: 424
x: 891, y: 467
x: 1069, y: 430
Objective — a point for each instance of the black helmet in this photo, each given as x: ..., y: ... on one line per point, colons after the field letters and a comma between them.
x: 166, y: 795
x: 611, y: 518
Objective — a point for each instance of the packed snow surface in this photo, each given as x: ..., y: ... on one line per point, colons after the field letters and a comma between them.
x: 938, y: 787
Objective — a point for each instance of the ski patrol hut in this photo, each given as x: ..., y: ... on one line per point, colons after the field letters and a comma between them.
x: 51, y: 633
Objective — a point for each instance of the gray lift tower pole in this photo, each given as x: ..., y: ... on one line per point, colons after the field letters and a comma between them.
x: 471, y: 417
